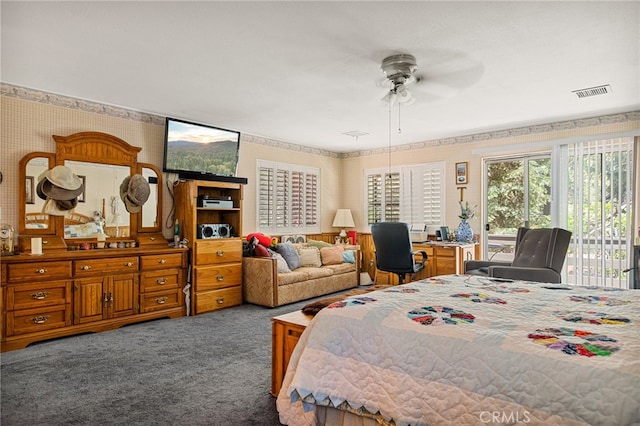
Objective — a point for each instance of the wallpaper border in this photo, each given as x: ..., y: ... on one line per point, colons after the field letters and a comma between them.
x: 40, y: 96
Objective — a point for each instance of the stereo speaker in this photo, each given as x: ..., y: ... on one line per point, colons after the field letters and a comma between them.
x: 213, y: 230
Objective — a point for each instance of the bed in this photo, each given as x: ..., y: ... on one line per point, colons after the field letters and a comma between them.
x: 470, y: 350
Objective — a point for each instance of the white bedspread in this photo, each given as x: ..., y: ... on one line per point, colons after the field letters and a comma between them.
x: 469, y: 350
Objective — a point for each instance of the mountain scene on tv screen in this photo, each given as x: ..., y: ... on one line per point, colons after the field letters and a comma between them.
x: 211, y: 157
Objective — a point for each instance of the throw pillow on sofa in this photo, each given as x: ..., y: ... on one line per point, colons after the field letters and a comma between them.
x: 331, y: 255
x: 319, y: 244
x: 349, y: 256
x: 283, y: 268
x: 288, y: 251
x: 310, y: 256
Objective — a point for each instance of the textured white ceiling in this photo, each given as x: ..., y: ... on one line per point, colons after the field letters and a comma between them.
x: 306, y: 72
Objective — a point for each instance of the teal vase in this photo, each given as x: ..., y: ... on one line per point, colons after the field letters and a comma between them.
x: 464, y: 233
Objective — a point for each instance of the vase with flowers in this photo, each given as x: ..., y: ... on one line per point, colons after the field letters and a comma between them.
x: 464, y: 233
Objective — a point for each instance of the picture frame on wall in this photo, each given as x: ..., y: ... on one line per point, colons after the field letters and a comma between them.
x: 29, y: 190
x: 462, y: 173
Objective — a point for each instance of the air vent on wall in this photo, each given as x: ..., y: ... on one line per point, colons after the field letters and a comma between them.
x: 593, y: 91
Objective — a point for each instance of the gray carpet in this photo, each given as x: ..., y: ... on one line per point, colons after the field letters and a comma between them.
x: 211, y: 369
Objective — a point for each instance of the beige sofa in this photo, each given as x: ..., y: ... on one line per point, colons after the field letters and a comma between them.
x: 263, y: 285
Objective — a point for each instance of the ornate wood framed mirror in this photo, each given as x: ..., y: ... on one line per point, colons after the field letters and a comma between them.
x: 102, y: 161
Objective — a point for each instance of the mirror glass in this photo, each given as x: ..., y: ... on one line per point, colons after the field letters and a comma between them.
x: 35, y: 219
x: 102, y: 195
x: 150, y: 209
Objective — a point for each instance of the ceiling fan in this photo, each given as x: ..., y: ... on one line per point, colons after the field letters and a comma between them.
x: 400, y: 70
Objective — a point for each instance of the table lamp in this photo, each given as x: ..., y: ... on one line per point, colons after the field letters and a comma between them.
x: 343, y: 219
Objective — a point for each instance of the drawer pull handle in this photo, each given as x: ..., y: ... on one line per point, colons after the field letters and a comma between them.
x: 161, y: 281
x: 107, y: 299
x: 220, y: 252
x: 45, y: 242
x: 40, y: 295
x: 161, y: 300
x: 86, y: 267
x: 152, y: 238
x: 162, y: 261
x: 220, y: 300
x: 40, y: 319
x: 128, y: 264
x: 41, y: 271
x: 220, y: 277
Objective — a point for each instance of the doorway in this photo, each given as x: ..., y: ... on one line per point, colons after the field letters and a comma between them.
x: 518, y: 193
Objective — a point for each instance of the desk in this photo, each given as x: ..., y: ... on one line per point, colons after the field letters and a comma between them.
x: 442, y: 259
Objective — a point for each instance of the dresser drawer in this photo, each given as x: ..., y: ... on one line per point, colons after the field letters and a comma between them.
x: 105, y: 266
x: 29, y: 296
x: 40, y: 319
x: 446, y: 251
x: 218, y: 251
x: 43, y: 271
x: 217, y: 299
x: 160, y: 261
x: 159, y: 300
x: 163, y: 279
x: 217, y: 277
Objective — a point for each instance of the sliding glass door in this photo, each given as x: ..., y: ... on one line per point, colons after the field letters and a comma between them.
x: 518, y: 193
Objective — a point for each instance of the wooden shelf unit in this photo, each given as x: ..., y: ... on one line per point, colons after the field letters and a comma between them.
x: 216, y: 262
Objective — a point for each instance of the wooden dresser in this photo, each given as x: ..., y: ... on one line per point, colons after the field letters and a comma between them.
x: 61, y: 293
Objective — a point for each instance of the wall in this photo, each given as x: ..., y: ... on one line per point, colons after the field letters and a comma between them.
x: 474, y: 149
x: 30, y: 117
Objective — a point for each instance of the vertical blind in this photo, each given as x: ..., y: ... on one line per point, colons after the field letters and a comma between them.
x: 288, y: 198
x: 412, y: 194
x: 599, y: 211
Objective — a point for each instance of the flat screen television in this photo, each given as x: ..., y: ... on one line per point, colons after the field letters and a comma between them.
x: 199, y: 151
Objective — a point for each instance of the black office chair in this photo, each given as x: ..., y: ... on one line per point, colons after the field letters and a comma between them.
x: 394, y: 250
x: 539, y: 256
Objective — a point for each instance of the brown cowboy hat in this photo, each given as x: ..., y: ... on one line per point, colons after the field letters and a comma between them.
x: 134, y: 192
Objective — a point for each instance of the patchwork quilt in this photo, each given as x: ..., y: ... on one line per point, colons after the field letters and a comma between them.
x: 461, y: 349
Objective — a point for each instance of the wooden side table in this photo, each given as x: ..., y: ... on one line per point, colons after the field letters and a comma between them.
x: 285, y: 331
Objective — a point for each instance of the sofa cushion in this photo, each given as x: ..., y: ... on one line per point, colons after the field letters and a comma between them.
x: 319, y: 244
x: 331, y: 255
x: 310, y: 256
x: 304, y: 273
x: 283, y: 268
x: 261, y: 251
x: 288, y: 251
x: 349, y: 256
x: 341, y: 268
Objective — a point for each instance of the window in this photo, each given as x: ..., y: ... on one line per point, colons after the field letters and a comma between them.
x: 288, y: 198
x: 412, y: 194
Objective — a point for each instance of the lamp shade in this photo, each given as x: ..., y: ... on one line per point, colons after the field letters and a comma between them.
x: 343, y: 219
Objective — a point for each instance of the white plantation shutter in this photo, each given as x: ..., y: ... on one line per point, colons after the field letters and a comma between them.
x: 433, y: 196
x: 311, y: 200
x: 392, y: 197
x: 266, y: 184
x: 288, y: 198
x: 412, y: 194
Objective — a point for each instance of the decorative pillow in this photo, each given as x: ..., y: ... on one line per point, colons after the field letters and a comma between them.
x: 319, y: 244
x: 261, y: 251
x: 349, y: 256
x: 262, y: 239
x: 288, y: 251
x: 310, y: 256
x: 283, y: 268
x: 331, y: 255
